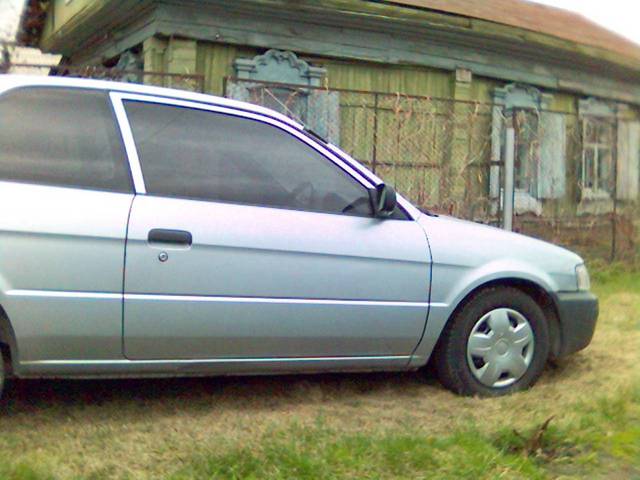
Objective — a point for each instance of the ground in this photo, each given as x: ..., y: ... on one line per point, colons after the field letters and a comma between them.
x: 341, y: 426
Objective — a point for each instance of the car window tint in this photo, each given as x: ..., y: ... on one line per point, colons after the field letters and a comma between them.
x: 212, y: 156
x: 64, y: 137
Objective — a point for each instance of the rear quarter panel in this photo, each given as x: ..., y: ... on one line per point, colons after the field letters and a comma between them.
x: 62, y: 265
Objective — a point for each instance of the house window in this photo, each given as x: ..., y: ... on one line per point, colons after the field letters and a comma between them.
x: 598, y: 136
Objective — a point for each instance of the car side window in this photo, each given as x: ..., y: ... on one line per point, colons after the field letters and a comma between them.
x: 61, y: 137
x: 199, y: 154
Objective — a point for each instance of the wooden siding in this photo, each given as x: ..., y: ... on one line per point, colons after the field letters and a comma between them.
x: 389, y: 78
x: 564, y: 102
x: 215, y: 62
x: 512, y: 19
x: 482, y: 89
x: 62, y: 12
x: 354, y: 31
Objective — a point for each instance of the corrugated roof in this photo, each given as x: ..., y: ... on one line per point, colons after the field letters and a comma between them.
x: 534, y: 17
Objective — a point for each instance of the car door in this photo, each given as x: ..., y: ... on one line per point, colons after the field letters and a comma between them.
x: 250, y: 243
x: 65, y: 191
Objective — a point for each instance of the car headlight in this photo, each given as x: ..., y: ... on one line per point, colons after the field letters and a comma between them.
x: 582, y: 276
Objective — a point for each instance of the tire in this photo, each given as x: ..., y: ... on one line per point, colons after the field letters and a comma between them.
x: 496, y: 344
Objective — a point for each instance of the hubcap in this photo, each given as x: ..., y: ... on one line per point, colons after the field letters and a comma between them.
x: 500, y: 347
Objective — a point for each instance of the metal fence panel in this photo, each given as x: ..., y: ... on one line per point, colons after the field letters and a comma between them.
x: 436, y: 152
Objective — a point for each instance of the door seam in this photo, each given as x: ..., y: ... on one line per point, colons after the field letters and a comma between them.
x: 124, y: 274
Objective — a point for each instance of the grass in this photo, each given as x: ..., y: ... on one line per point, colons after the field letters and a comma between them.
x: 341, y: 426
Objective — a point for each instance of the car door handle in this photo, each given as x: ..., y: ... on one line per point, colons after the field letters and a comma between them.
x: 170, y: 237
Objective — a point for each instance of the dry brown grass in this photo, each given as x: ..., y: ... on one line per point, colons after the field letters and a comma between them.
x: 142, y: 428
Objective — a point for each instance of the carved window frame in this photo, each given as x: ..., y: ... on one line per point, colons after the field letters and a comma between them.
x: 596, y: 115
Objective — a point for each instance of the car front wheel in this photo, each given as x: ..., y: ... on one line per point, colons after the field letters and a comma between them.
x: 496, y: 344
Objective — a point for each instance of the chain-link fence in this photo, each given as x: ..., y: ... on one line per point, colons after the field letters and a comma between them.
x: 436, y: 152
x: 575, y: 176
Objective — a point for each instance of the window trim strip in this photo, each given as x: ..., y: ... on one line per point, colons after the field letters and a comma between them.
x: 118, y: 99
x: 129, y: 144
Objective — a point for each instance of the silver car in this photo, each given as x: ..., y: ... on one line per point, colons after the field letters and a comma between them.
x: 154, y: 232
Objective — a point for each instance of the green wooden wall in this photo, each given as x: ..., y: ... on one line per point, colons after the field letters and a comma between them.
x: 62, y: 12
x: 388, y: 78
x: 215, y: 62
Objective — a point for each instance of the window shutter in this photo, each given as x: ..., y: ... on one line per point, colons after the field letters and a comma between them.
x: 551, y: 180
x: 628, y: 165
x: 323, y: 114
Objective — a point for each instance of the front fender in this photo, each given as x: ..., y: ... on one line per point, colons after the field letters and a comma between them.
x: 453, y: 283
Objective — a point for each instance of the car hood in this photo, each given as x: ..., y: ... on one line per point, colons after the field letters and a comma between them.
x: 465, y: 245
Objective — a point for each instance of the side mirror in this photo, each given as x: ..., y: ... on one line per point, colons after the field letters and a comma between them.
x: 383, y: 200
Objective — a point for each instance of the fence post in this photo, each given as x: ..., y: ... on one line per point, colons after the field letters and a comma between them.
x: 457, y: 172
x: 614, y: 214
x: 509, y: 170
x: 375, y: 132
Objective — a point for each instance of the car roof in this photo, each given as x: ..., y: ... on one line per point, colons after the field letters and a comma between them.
x: 13, y: 81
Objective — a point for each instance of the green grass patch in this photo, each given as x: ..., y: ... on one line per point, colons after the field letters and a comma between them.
x: 23, y: 471
x: 608, y: 279
x: 323, y: 454
x: 606, y: 440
